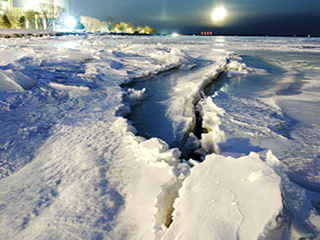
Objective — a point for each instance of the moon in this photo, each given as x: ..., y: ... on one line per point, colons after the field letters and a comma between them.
x: 219, y: 14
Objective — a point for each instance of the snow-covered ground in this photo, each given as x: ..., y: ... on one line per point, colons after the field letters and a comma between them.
x: 73, y: 167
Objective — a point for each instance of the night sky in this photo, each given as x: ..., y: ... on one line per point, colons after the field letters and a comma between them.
x: 252, y: 17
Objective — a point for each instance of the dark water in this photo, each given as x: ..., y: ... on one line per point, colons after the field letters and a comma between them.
x: 249, y: 84
x: 149, y: 115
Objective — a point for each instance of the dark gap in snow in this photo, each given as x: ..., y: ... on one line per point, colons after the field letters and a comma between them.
x: 198, y: 130
x: 316, y: 205
x: 165, y: 202
x: 146, y: 104
x: 278, y: 228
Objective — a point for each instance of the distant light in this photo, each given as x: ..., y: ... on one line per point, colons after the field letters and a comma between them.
x: 175, y: 34
x: 70, y: 22
x: 219, y: 14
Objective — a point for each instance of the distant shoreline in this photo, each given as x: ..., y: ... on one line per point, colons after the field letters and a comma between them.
x: 19, y: 33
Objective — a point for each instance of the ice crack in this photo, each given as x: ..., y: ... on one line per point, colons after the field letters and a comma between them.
x: 163, y: 217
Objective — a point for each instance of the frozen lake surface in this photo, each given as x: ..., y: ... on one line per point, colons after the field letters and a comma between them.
x: 90, y: 126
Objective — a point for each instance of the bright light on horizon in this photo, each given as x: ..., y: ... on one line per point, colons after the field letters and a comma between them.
x: 70, y: 22
x: 219, y: 14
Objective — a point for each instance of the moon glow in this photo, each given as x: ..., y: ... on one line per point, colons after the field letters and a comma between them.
x: 219, y: 14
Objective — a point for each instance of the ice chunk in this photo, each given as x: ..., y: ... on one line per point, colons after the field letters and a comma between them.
x: 15, y: 81
x: 8, y: 56
x: 211, y: 121
x: 156, y: 150
x: 65, y: 87
x: 226, y: 198
x: 209, y: 142
x: 24, y: 81
x: 135, y: 95
x: 8, y: 85
x: 154, y: 145
x: 238, y: 66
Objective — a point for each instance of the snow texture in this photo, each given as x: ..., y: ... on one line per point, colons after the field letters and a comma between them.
x: 215, y: 199
x: 72, y: 167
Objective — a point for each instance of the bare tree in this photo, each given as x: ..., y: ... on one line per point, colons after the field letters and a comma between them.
x: 13, y: 17
x: 5, y: 22
x: 31, y: 22
x: 91, y: 24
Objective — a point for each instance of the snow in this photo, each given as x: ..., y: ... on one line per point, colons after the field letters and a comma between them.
x: 211, y: 122
x: 72, y: 167
x: 135, y: 95
x: 215, y: 202
x: 155, y: 150
x: 188, y: 91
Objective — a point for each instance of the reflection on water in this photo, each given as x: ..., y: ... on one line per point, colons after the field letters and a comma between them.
x: 149, y: 116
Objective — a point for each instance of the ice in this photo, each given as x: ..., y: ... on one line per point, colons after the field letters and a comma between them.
x: 211, y: 122
x: 15, y: 81
x: 7, y: 55
x: 90, y: 42
x: 135, y: 95
x: 226, y: 198
x: 188, y: 91
x: 156, y: 150
x: 8, y: 84
x: 72, y: 168
x: 24, y: 81
x: 73, y: 91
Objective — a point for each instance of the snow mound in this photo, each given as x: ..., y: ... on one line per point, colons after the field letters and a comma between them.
x: 211, y: 122
x: 91, y: 42
x: 73, y: 90
x: 156, y: 150
x: 237, y: 67
x: 226, y: 198
x: 172, y: 57
x: 15, y: 81
x: 7, y: 56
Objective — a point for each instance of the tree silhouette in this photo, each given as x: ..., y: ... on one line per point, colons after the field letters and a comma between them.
x: 22, y: 22
x: 5, y: 21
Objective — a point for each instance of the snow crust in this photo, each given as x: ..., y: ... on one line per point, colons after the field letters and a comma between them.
x: 215, y: 199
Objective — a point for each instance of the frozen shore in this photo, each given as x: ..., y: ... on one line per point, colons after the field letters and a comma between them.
x: 71, y: 165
